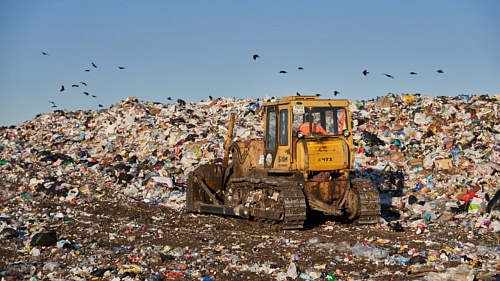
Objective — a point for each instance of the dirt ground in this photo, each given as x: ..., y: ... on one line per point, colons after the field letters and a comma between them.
x: 113, y: 236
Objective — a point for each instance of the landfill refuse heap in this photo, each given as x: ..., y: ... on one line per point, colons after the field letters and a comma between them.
x: 99, y: 194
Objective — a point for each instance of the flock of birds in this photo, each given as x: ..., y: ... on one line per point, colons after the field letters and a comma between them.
x: 365, y: 73
x: 77, y: 85
x: 335, y: 93
x: 182, y: 102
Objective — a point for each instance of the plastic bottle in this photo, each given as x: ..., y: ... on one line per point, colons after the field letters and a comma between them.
x: 331, y: 277
x: 292, y: 270
x: 155, y: 277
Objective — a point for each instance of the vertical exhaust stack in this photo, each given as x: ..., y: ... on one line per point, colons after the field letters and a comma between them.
x: 229, y: 140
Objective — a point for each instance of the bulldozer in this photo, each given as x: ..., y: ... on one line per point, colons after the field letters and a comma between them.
x: 291, y: 171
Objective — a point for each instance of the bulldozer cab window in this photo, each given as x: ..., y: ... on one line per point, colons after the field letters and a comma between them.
x: 329, y: 119
x: 284, y: 127
x: 271, y: 126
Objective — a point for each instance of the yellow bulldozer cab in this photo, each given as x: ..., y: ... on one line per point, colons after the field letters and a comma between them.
x: 307, y: 134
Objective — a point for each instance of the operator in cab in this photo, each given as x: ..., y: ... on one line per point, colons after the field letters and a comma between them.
x: 308, y: 126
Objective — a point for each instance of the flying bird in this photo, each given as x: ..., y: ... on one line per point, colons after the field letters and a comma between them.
x: 86, y: 93
x: 413, y: 73
x: 44, y: 53
x: 54, y: 105
x: 94, y: 96
x: 121, y: 67
x: 440, y: 71
x: 62, y: 88
x: 282, y: 71
x: 52, y: 102
x: 300, y: 68
x: 210, y: 97
x: 84, y: 84
x: 335, y: 93
x: 169, y: 98
x: 365, y: 72
x: 74, y: 85
x: 388, y: 75
x: 100, y: 105
x: 93, y: 64
x: 87, y: 70
x: 255, y: 57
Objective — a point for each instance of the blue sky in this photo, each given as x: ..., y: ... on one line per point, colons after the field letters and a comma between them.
x: 193, y: 49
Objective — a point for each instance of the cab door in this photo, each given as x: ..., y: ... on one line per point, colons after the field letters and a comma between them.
x: 271, y: 136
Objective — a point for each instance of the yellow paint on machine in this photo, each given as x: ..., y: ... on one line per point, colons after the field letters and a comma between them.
x: 323, y: 156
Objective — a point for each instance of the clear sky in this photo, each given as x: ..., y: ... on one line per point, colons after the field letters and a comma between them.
x: 193, y: 49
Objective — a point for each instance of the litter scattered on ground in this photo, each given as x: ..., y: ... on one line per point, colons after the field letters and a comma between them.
x: 99, y: 195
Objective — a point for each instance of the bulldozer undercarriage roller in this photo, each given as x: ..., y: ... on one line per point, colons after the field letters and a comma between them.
x: 289, y: 207
x: 367, y: 204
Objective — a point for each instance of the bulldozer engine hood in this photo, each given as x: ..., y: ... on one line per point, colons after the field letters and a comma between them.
x: 325, y: 155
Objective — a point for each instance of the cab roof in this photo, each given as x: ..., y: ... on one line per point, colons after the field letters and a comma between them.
x: 310, y: 101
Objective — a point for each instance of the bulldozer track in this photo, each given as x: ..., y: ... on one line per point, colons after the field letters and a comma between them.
x: 295, y: 208
x: 369, y: 200
x: 292, y: 196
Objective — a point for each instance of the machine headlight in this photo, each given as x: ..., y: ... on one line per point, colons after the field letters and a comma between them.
x: 300, y: 134
x: 346, y: 133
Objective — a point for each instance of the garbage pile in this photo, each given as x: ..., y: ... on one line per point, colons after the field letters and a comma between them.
x: 131, y: 147
x: 444, y: 151
x: 121, y: 172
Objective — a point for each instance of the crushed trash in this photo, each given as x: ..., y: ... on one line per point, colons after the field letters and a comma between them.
x: 100, y: 194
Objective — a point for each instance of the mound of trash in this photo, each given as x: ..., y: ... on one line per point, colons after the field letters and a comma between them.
x: 111, y: 182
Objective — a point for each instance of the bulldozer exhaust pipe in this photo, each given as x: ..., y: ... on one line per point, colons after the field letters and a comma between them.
x: 229, y: 139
